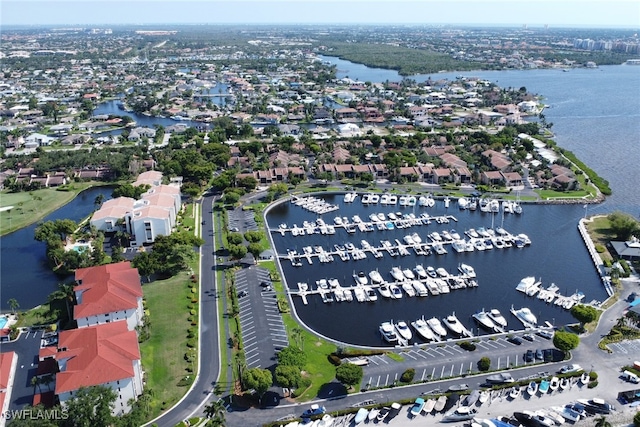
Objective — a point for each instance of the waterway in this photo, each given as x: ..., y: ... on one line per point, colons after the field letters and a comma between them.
x: 24, y: 273
x: 595, y: 113
x: 557, y: 255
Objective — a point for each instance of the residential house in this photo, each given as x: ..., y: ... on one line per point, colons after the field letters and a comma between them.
x: 492, y: 178
x: 111, y: 211
x: 496, y: 160
x: 442, y: 175
x: 512, y: 179
x: 152, y: 178
x: 103, y: 355
x: 108, y: 293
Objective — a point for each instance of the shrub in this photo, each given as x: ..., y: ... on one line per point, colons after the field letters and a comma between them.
x: 593, y: 384
x: 334, y: 360
x: 466, y: 345
x: 484, y: 364
x: 191, y: 343
x: 636, y: 420
x: 407, y: 376
x: 600, y: 249
x: 593, y: 376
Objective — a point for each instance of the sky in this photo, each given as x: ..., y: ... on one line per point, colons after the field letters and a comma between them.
x: 555, y: 13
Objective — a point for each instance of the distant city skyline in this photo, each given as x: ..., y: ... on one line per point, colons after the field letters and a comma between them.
x: 534, y: 13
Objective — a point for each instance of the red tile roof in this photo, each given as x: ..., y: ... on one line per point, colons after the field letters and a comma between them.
x: 107, y: 289
x: 96, y: 355
x: 5, y: 368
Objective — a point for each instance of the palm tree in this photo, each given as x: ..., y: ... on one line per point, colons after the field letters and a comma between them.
x: 296, y: 334
x: 215, y: 411
x: 13, y: 305
x: 35, y: 382
x: 602, y: 422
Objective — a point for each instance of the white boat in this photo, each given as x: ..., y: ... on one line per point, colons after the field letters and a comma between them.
x: 467, y: 270
x: 440, y: 403
x: 372, y: 296
x: 396, y: 292
x: 432, y: 272
x: 404, y: 200
x: 440, y: 271
x: 385, y: 291
x: 452, y: 322
x: 437, y: 327
x: 461, y: 413
x: 429, y: 405
x: 393, y: 199
x: 525, y: 284
x: 408, y: 274
x: 554, y: 384
x: 361, y: 415
x: 389, y: 332
x: 411, y: 201
x: 375, y: 277
x: 408, y: 288
x: 374, y: 199
x: 360, y: 294
x: 514, y: 392
x: 361, y: 278
x: 484, y: 396
x: 525, y: 316
x: 420, y: 271
x: 403, y: 330
x: 419, y: 288
x: 497, y: 317
x: 423, y: 329
x: 384, y: 199
x: 482, y: 317
x: 373, y: 414
x: 396, y: 272
x: 566, y: 413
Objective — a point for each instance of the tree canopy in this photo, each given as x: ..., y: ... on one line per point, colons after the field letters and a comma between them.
x: 584, y: 313
x: 565, y: 341
x: 623, y: 225
x: 258, y: 379
x: 349, y: 374
x: 91, y: 406
x: 292, y: 356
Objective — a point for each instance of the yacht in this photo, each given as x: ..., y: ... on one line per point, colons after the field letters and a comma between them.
x: 497, y: 317
x: 372, y: 296
x: 454, y: 234
x: 411, y: 200
x: 385, y: 291
x: 423, y: 329
x: 532, y: 388
x: 381, y: 217
x: 463, y: 203
x: 361, y: 278
x: 408, y: 274
x: 420, y: 271
x: 467, y: 270
x: 432, y: 272
x: 525, y: 284
x: 437, y: 327
x: 396, y: 292
x: 408, y: 288
x: 396, y: 272
x: 420, y: 288
x: 374, y: 199
x: 482, y: 317
x: 403, y: 330
x: 393, y: 199
x: 384, y: 199
x: 404, y: 200
x: 525, y: 316
x: 375, y: 277
x: 440, y: 271
x: 388, y: 333
x: 452, y: 322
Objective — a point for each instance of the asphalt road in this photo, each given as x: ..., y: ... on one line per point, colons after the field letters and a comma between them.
x: 27, y: 347
x: 202, y: 390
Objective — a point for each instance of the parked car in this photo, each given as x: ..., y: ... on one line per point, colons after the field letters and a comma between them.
x: 539, y: 354
x: 529, y: 337
x: 515, y: 340
x: 315, y: 409
x: 529, y: 356
x: 570, y: 368
x: 545, y: 334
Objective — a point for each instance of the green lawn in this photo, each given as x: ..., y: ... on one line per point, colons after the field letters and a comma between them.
x: 30, y: 207
x: 163, y: 353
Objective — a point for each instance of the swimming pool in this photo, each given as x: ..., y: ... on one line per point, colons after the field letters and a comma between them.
x: 3, y: 322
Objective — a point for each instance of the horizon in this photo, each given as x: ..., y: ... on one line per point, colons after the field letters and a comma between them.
x: 596, y: 14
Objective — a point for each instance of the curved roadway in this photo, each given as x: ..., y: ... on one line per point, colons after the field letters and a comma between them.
x: 201, y: 391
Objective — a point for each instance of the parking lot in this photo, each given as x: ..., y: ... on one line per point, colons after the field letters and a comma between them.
x: 241, y: 221
x: 446, y: 360
x: 263, y: 332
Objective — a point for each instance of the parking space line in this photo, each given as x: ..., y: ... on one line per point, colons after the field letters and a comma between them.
x: 408, y: 353
x: 381, y: 359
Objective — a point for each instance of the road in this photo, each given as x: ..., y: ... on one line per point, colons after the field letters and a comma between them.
x: 202, y: 390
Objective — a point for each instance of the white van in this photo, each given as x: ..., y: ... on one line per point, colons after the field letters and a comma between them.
x: 631, y: 377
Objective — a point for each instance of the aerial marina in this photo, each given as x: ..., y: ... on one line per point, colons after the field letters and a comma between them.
x: 409, y: 259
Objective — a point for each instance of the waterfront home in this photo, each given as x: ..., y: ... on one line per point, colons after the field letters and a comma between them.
x: 496, y: 159
x: 111, y: 212
x: 492, y: 178
x: 108, y: 293
x: 152, y: 178
x: 103, y: 355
